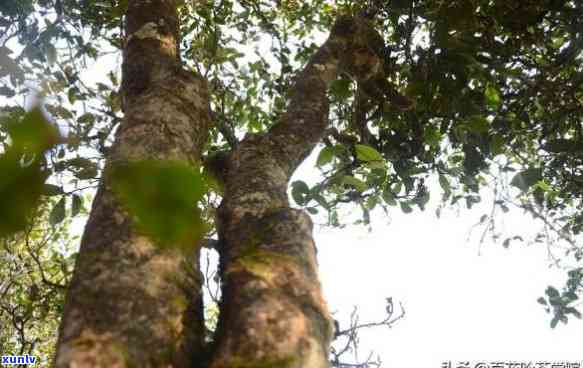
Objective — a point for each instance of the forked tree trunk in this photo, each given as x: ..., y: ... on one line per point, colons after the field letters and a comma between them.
x: 131, y: 303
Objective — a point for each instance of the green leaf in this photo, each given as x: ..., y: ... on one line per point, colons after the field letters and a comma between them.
x: 354, y: 182
x: 478, y: 124
x: 80, y: 163
x: 527, y: 178
x: 87, y: 118
x: 340, y: 88
x: 543, y: 185
x: 87, y: 173
x: 34, y: 133
x: 542, y: 301
x: 554, y: 322
x: 52, y: 190
x: 432, y: 136
x: 444, y: 183
x: 62, y: 112
x: 163, y: 197
x: 20, y: 190
x: 300, y: 192
x: 371, y: 202
x: 85, y: 168
x: 76, y: 205
x: 72, y: 95
x: 367, y: 153
x: 573, y: 311
x: 389, y: 197
x: 397, y: 188
x: 326, y: 156
x: 493, y: 99
x: 312, y: 210
x: 57, y: 214
x: 497, y: 145
x: 405, y: 207
x: 422, y: 200
x: 552, y: 292
x: 21, y: 175
x: 376, y: 165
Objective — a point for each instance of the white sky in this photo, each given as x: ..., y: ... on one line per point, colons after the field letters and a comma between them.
x: 459, y: 305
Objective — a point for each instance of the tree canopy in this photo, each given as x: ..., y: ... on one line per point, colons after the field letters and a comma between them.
x: 467, y: 93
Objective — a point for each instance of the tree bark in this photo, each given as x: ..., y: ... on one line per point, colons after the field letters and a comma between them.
x: 134, y: 304
x: 131, y: 303
x: 272, y: 311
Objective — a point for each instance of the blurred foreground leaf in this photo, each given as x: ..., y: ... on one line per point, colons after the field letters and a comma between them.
x: 21, y: 166
x: 162, y: 196
x: 20, y: 189
x: 32, y: 134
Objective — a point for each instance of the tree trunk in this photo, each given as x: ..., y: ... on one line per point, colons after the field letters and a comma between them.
x: 130, y: 302
x: 272, y: 311
x: 133, y: 304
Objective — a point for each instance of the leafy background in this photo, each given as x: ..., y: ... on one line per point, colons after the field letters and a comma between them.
x: 498, y: 110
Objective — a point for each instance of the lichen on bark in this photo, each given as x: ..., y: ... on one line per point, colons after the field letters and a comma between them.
x: 133, y: 304
x: 272, y: 306
x: 130, y: 302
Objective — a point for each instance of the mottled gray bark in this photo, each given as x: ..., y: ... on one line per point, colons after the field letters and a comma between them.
x: 272, y: 311
x: 132, y: 303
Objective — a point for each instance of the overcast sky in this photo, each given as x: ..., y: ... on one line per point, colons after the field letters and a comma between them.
x: 461, y: 304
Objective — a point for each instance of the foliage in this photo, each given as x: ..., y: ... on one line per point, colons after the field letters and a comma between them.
x: 36, y: 267
x: 496, y: 86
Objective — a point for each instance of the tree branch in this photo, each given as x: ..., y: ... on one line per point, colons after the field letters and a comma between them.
x: 352, y: 48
